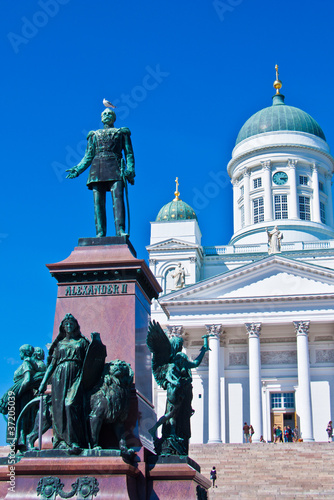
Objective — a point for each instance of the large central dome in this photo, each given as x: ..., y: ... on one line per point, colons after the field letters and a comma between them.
x: 279, y: 117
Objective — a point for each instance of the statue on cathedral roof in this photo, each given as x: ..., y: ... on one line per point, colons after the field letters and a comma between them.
x: 274, y: 240
x: 179, y: 276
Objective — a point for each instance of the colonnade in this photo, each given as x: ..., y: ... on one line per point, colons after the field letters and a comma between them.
x: 216, y: 370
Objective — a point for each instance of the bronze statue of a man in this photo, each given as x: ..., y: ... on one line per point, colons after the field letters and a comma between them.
x: 109, y: 171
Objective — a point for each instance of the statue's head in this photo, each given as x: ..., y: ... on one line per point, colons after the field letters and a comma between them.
x: 176, y: 343
x: 108, y: 116
x: 69, y: 325
x: 121, y: 370
x: 26, y: 351
x: 39, y: 353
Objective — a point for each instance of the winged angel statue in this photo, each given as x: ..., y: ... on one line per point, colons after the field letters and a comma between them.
x: 172, y: 371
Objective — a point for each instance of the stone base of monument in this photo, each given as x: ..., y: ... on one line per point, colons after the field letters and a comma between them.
x: 75, y: 477
x: 53, y: 475
x: 108, y: 290
x: 175, y: 477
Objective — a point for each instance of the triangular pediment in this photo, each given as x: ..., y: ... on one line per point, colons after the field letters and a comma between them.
x: 270, y: 278
x: 172, y: 244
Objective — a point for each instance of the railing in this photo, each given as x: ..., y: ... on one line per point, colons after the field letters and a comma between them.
x: 221, y: 250
x: 263, y: 247
x: 316, y: 245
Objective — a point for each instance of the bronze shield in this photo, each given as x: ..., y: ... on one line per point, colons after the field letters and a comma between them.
x: 94, y: 362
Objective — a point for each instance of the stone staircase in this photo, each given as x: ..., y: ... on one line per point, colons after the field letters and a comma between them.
x: 268, y: 471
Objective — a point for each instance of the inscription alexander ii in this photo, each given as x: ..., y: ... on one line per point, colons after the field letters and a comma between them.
x: 90, y: 290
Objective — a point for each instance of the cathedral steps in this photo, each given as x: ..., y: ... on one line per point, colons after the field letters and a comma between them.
x: 268, y: 471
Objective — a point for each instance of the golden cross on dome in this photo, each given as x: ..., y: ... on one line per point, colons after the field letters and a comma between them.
x: 277, y: 82
x: 177, y: 194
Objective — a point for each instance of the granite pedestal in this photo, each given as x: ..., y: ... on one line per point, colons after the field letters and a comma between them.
x: 108, y: 290
x: 52, y: 475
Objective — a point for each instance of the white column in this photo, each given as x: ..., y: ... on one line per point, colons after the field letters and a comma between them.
x: 268, y: 199
x: 328, y: 191
x: 236, y: 208
x: 254, y: 330
x: 246, y: 197
x: 222, y: 389
x: 304, y: 387
x: 316, y: 197
x: 293, y: 203
x: 214, y: 383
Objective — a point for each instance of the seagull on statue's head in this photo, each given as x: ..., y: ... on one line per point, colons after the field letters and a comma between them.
x: 108, y: 104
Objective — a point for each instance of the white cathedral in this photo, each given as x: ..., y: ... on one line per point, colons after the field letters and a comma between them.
x: 267, y: 297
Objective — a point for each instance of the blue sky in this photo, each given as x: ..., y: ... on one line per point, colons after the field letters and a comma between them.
x: 185, y: 77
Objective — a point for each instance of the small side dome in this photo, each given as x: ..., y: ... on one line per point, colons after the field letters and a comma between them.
x: 176, y: 210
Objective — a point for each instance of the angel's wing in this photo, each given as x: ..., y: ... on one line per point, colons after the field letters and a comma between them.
x: 159, y: 345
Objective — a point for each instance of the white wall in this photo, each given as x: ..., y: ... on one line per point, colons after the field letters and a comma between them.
x: 235, y: 413
x: 197, y: 420
x: 321, y: 409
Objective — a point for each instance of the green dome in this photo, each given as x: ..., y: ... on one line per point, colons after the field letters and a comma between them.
x: 279, y: 117
x: 175, y: 210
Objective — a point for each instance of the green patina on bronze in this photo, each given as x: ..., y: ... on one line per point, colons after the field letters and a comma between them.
x: 85, y: 393
x: 109, y: 171
x: 83, y: 487
x: 27, y: 379
x: 172, y: 371
x: 65, y: 364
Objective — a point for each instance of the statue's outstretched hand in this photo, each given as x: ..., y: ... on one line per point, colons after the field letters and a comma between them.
x: 72, y: 173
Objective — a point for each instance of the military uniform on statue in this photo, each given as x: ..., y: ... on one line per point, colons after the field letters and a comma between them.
x: 108, y: 172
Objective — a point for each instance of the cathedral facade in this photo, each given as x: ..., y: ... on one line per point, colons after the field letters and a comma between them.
x: 266, y: 298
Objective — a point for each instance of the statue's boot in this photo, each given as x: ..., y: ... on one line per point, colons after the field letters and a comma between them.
x: 121, y: 232
x: 75, y: 449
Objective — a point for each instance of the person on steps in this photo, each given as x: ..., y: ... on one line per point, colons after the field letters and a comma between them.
x: 213, y: 476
